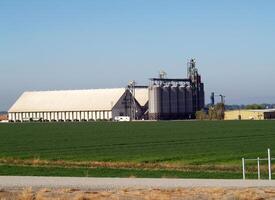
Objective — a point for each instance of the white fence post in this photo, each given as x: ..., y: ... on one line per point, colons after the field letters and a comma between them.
x: 269, y: 164
x: 243, y: 162
x: 259, y: 170
x: 269, y: 160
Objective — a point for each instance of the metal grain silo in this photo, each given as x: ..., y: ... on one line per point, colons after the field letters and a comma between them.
x: 201, y: 96
x: 189, y: 100
x: 182, y: 102
x: 174, y: 101
x: 154, y: 102
x: 165, y: 106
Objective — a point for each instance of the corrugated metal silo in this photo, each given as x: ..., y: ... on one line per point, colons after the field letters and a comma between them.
x: 201, y: 96
x: 182, y: 101
x: 154, y: 102
x: 189, y: 100
x: 174, y: 101
x: 166, y: 106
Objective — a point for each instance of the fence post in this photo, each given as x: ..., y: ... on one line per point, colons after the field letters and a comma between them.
x: 243, y: 162
x: 259, y: 170
x: 269, y: 164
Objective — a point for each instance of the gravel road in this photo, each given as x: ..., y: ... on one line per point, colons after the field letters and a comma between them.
x: 120, y: 183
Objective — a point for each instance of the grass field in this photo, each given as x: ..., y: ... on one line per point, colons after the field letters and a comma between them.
x: 180, y: 147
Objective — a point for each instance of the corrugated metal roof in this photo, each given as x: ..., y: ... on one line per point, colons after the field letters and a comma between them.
x: 262, y: 110
x: 249, y: 110
x: 68, y: 100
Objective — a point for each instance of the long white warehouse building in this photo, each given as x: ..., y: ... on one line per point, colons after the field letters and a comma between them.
x: 78, y: 105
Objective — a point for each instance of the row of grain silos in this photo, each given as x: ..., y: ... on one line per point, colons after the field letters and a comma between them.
x: 168, y: 101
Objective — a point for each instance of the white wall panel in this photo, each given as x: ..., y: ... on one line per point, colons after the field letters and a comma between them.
x: 78, y: 116
x: 86, y: 116
x: 82, y: 115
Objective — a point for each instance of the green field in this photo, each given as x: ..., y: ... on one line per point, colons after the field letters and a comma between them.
x: 195, y: 147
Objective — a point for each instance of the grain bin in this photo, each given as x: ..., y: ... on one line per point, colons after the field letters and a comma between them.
x: 189, y: 100
x: 182, y: 101
x: 154, y: 102
x: 174, y: 101
x: 166, y: 104
x: 201, y: 96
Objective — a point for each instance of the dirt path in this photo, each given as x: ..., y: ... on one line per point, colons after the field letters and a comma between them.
x: 46, y: 188
x: 121, y: 183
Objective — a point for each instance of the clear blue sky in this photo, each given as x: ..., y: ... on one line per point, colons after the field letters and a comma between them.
x: 77, y: 44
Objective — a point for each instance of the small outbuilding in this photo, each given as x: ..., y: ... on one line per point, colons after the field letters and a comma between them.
x: 250, y: 114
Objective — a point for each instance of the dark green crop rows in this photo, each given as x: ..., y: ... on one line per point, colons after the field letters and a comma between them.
x: 190, y: 142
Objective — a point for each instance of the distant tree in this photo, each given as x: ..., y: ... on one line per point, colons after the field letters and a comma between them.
x: 254, y: 107
x: 220, y: 111
x: 201, y: 115
x: 216, y: 112
x: 212, y: 113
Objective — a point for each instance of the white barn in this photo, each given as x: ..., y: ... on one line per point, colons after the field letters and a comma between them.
x: 77, y: 105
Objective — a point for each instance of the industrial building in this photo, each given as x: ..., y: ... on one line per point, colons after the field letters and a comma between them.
x: 250, y: 114
x: 77, y: 105
x: 176, y: 98
x: 163, y: 99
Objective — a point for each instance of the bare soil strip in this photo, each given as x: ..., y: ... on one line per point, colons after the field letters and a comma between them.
x: 134, y: 194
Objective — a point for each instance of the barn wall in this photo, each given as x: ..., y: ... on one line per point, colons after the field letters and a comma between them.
x: 123, y: 106
x: 61, y: 116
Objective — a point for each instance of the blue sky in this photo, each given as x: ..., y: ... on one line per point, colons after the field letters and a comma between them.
x: 78, y: 44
